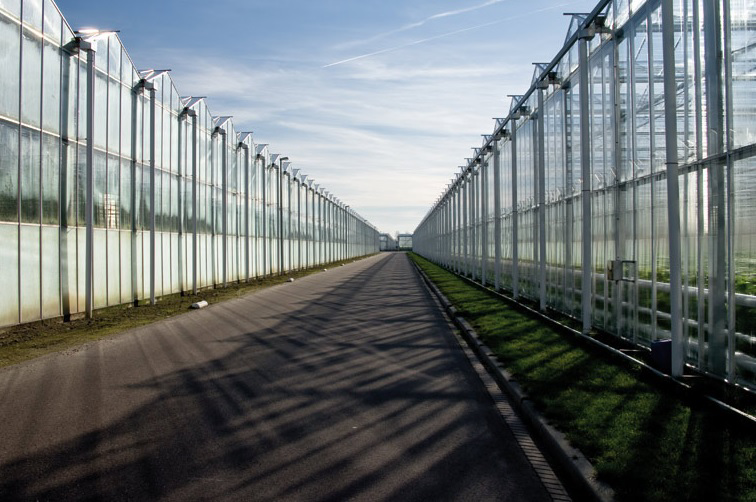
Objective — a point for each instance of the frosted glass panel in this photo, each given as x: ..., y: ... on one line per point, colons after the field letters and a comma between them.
x: 9, y: 259
x: 30, y: 273
x: 9, y: 77
x: 50, y: 272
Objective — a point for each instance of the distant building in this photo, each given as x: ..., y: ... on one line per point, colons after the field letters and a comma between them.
x: 387, y: 243
x: 405, y: 242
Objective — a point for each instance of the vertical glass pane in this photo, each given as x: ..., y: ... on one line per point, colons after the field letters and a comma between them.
x: 33, y: 13
x: 112, y: 202
x: 68, y: 90
x: 125, y: 195
x: 81, y: 119
x: 9, y: 77
x: 12, y: 6
x: 743, y: 57
x: 641, y: 101
x: 8, y: 172
x: 98, y: 199
x: 51, y: 89
x: 127, y: 121
x: 114, y: 56
x: 30, y: 78
x: 30, y: 172
x: 50, y: 179
x: 52, y: 21
x: 81, y: 185
x: 67, y: 184
x: 29, y: 263
x: 9, y: 259
x: 101, y: 110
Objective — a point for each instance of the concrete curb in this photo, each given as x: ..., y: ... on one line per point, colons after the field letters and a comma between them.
x: 580, y: 474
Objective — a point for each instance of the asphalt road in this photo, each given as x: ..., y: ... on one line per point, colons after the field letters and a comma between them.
x: 344, y: 385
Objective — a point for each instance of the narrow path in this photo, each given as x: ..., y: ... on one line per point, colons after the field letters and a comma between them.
x: 344, y: 385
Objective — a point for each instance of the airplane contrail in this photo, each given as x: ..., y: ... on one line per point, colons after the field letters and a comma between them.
x: 442, y: 35
x: 417, y: 24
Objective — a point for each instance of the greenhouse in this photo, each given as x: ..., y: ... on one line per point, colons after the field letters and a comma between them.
x: 620, y: 188
x: 115, y: 188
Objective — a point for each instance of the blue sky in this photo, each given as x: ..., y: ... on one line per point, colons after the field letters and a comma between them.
x: 378, y: 101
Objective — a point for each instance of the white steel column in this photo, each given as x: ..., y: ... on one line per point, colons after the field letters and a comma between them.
x: 245, y: 147
x: 585, y: 164
x: 224, y: 203
x: 715, y: 124
x: 673, y: 190
x: 497, y: 211
x: 465, y: 224
x: 515, y: 214
x: 89, y: 206
x: 541, y: 188
x: 149, y: 86
x: 193, y: 114
x: 484, y: 220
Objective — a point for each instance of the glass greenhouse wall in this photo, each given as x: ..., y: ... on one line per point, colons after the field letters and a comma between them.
x: 620, y: 188
x: 165, y: 198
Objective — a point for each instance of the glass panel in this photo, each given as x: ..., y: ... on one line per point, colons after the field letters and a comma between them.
x: 114, y: 115
x: 81, y: 185
x: 33, y: 13
x: 743, y: 55
x: 12, y: 6
x: 101, y: 110
x: 9, y: 77
x: 30, y: 278
x: 125, y: 198
x: 8, y: 172
x: 68, y: 93
x: 99, y: 202
x: 101, y: 50
x: 50, y: 179
x: 9, y: 259
x: 30, y: 175
x: 30, y: 78
x: 127, y: 121
x: 112, y: 203
x: 82, y: 104
x: 114, y: 57
x: 52, y: 21
x: 50, y: 272
x: 51, y: 89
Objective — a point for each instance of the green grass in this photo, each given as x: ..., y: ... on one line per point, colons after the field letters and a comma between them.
x: 28, y: 341
x: 645, y: 442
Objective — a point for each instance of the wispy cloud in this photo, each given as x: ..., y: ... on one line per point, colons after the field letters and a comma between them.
x: 447, y: 34
x: 422, y: 22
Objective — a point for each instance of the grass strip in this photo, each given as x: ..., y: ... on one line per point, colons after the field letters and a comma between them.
x: 28, y: 341
x: 647, y: 443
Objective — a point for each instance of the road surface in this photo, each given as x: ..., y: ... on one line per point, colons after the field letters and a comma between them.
x: 344, y: 385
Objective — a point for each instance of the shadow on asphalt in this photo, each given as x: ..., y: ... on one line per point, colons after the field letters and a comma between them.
x: 329, y: 401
